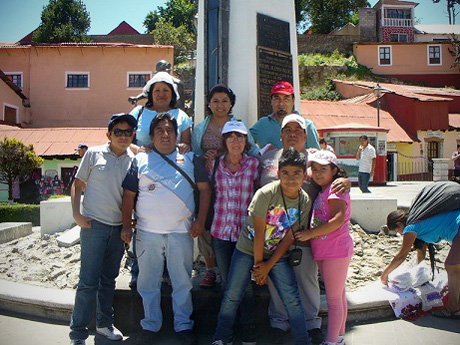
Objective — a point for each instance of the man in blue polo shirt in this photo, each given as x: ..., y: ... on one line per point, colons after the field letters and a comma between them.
x: 165, y: 224
x: 101, y: 173
x: 268, y: 129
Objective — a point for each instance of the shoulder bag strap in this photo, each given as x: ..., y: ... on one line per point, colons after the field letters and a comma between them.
x: 175, y: 166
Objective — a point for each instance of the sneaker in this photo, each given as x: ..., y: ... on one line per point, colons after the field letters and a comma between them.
x: 316, y: 336
x: 111, y: 333
x: 209, y: 279
x: 248, y: 335
x: 341, y: 340
x: 187, y: 337
x: 277, y: 335
x: 77, y: 342
x: 221, y: 342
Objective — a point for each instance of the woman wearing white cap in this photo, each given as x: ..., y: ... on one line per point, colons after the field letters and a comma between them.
x: 162, y: 96
x: 234, y: 176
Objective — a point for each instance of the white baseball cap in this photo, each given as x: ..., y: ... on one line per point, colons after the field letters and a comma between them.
x: 322, y: 157
x: 235, y: 126
x: 294, y: 118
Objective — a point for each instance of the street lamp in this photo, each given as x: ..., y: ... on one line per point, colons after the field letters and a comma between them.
x: 377, y: 90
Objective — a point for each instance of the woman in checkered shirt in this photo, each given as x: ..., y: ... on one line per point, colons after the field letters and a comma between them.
x: 235, y: 177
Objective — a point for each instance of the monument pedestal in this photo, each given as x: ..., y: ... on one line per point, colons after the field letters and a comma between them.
x: 249, y: 46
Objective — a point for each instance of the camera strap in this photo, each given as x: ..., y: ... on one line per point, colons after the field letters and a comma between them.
x: 287, y: 215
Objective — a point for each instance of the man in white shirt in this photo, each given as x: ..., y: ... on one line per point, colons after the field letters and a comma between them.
x: 366, y: 157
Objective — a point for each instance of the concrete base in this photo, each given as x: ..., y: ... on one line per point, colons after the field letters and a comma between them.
x: 12, y: 231
x: 371, y: 213
x: 363, y: 304
x: 70, y: 237
x: 56, y: 215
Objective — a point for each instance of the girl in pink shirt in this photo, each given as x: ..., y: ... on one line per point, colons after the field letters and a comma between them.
x: 331, y: 243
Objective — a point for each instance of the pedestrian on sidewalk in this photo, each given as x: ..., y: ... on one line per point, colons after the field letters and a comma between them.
x: 331, y: 243
x: 366, y: 157
x: 101, y: 173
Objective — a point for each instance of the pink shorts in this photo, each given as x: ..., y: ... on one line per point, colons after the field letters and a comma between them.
x: 453, y: 258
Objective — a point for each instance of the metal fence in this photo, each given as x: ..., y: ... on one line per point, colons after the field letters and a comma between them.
x: 418, y: 168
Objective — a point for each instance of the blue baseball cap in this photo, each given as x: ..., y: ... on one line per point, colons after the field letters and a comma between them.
x: 122, y: 117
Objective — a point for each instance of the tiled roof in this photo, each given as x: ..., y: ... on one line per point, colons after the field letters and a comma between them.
x: 55, y: 141
x: 454, y: 120
x: 394, y: 2
x: 423, y: 94
x: 438, y: 29
x: 123, y: 29
x: 330, y: 114
x: 81, y: 44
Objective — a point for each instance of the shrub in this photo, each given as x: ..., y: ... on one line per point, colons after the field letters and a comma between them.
x: 20, y: 213
x: 325, y: 93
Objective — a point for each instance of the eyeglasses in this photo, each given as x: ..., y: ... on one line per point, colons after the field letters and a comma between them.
x: 233, y: 139
x: 130, y: 254
x: 123, y: 132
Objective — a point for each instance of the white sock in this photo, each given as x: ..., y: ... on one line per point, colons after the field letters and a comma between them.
x: 341, y: 340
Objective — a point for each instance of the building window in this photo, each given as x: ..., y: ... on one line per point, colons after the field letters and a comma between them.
x: 15, y: 77
x: 138, y: 79
x: 77, y: 80
x: 398, y: 13
x: 385, y: 56
x: 434, y: 55
x: 398, y: 37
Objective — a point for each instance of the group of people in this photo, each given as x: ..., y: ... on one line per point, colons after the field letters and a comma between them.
x: 271, y: 221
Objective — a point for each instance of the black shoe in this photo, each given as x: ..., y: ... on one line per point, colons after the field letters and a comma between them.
x: 316, y: 336
x: 248, y: 334
x: 277, y: 335
x: 146, y: 337
x: 133, y: 283
x: 187, y: 337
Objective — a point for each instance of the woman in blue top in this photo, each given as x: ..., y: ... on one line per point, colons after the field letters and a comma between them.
x: 207, y: 137
x: 444, y: 226
x: 162, y: 96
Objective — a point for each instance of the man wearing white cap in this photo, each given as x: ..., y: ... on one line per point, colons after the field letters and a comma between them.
x: 293, y: 134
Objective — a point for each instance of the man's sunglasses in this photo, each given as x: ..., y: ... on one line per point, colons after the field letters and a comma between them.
x: 123, y: 132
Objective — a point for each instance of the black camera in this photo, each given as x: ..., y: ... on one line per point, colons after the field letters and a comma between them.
x: 295, y: 257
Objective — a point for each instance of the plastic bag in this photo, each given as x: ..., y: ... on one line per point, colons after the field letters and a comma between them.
x: 430, y: 296
x: 409, y: 275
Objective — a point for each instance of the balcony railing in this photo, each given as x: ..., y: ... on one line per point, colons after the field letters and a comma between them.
x: 398, y: 22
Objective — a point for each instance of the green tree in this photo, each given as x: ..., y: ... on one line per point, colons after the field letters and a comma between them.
x: 455, y: 51
x: 63, y: 21
x: 17, y: 161
x: 178, y: 12
x: 327, y: 15
x: 167, y: 34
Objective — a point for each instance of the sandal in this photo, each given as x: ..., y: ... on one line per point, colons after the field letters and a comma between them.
x: 445, y: 313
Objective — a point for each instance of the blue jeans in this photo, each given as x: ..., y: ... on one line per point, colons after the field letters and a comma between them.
x: 152, y: 250
x: 363, y: 181
x: 282, y: 276
x: 223, y: 251
x: 101, y: 253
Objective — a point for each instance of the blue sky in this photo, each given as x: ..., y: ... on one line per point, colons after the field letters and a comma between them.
x: 20, y: 17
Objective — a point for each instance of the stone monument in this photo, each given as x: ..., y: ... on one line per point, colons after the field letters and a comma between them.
x: 249, y: 46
